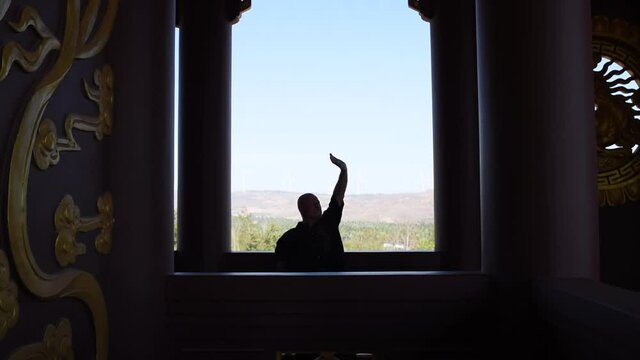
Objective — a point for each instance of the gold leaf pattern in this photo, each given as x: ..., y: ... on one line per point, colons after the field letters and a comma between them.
x: 68, y: 222
x: 8, y: 297
x: 48, y: 145
x: 56, y: 345
x: 69, y: 283
x: 29, y: 61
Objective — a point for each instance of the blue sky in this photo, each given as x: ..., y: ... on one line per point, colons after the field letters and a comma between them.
x: 348, y: 77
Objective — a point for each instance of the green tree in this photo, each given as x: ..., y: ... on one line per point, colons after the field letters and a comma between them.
x: 253, y: 234
x: 250, y: 233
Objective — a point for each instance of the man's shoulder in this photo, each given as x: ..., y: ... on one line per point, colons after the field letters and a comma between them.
x: 334, y: 209
x: 289, y: 241
x: 290, y: 234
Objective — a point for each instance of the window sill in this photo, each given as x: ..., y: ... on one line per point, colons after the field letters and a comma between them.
x: 354, y: 261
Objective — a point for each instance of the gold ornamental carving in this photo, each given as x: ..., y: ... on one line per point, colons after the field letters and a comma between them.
x: 12, y: 52
x: 616, y: 53
x: 85, y: 30
x: 8, y: 297
x: 68, y: 222
x: 48, y: 145
x: 56, y: 345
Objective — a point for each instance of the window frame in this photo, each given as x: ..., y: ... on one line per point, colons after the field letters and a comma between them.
x: 215, y: 254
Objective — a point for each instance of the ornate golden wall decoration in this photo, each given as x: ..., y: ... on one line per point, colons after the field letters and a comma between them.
x: 49, y: 146
x: 68, y: 222
x: 56, y: 344
x: 84, y: 35
x: 29, y: 60
x: 617, y: 44
x: 8, y: 297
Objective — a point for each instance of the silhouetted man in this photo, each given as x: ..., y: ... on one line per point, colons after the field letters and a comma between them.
x: 315, y: 243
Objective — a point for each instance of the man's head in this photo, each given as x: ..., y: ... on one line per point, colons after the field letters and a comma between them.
x: 309, y: 207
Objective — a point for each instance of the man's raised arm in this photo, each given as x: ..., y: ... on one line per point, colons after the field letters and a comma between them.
x: 341, y: 185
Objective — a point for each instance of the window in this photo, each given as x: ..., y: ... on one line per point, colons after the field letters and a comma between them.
x: 351, y: 78
x: 379, y: 112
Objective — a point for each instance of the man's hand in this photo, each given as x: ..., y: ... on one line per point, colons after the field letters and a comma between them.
x: 339, y: 163
x: 341, y: 185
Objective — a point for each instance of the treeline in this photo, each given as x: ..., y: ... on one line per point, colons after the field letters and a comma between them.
x: 250, y: 233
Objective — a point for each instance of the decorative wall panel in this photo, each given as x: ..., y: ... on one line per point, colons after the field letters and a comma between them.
x: 85, y: 29
x: 616, y: 54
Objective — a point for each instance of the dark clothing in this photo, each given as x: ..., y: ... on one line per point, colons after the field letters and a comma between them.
x: 317, y: 248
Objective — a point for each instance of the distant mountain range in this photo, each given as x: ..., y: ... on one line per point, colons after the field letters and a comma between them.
x: 392, y: 208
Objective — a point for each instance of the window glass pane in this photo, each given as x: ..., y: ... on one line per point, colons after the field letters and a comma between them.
x: 348, y: 77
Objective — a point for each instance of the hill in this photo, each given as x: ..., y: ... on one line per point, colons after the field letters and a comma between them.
x: 389, y: 208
